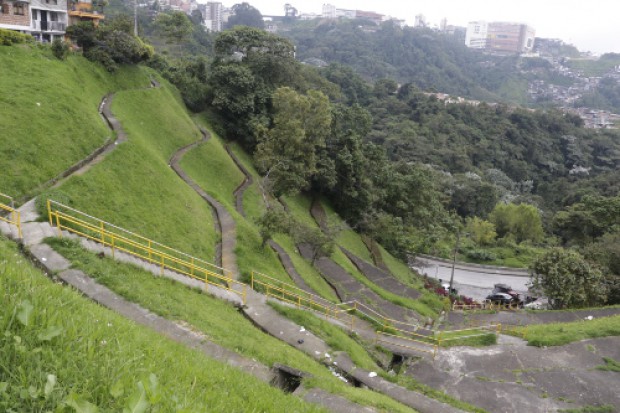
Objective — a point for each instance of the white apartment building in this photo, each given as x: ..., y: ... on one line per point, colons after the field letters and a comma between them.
x: 476, y: 35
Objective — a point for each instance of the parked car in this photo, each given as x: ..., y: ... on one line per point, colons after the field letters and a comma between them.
x: 538, y: 304
x: 501, y: 298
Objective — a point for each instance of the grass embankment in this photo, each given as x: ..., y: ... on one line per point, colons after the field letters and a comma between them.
x: 134, y: 187
x: 49, y: 119
x: 595, y: 67
x: 217, y: 320
x: 214, y: 171
x: 558, y: 334
x: 250, y: 253
x: 60, y: 349
x: 429, y: 305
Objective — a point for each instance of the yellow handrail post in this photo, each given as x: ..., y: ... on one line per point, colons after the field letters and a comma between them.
x: 102, y: 232
x: 49, y: 211
x: 252, y: 280
x: 58, y: 225
x: 19, y: 224
x: 299, y: 301
x: 112, y: 245
x: 191, y: 270
x: 245, y: 294
x: 150, y: 252
x: 162, y: 264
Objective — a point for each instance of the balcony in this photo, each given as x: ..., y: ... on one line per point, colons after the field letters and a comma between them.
x: 48, y: 26
x: 84, y: 10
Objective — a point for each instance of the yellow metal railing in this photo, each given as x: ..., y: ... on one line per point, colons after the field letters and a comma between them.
x: 7, y: 204
x: 486, y: 305
x: 119, y: 239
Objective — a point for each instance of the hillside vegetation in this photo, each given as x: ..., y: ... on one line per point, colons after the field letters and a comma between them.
x: 59, y: 349
x: 49, y: 119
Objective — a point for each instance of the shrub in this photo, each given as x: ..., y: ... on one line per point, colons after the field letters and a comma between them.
x: 60, y: 49
x: 9, y: 37
x: 480, y: 255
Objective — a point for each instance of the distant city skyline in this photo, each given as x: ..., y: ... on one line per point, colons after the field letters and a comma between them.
x: 589, y: 25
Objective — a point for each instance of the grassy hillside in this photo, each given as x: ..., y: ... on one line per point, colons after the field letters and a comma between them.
x: 59, y: 348
x: 135, y: 188
x: 49, y: 117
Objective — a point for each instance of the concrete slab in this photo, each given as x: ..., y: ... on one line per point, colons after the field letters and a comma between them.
x: 49, y: 258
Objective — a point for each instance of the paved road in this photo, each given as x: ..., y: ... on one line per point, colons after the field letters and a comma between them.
x: 472, y: 281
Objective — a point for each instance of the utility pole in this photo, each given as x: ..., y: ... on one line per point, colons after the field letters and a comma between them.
x: 456, y: 249
x: 135, y: 18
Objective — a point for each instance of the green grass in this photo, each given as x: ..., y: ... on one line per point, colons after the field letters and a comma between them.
x: 217, y: 320
x: 610, y: 365
x: 133, y: 187
x: 471, y: 338
x: 558, y: 334
x: 592, y: 67
x: 254, y: 207
x: 50, y: 116
x: 218, y: 173
x: 59, y: 349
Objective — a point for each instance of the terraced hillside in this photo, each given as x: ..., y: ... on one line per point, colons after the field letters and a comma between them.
x: 172, y: 180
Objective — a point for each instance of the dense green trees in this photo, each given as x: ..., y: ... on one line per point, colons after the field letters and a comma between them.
x: 110, y: 44
x: 522, y: 222
x: 568, y: 280
x: 288, y: 150
x: 243, y: 14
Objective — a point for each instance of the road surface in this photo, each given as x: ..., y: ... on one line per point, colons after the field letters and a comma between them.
x: 471, y: 280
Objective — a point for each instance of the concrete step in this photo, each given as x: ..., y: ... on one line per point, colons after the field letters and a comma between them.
x: 28, y: 211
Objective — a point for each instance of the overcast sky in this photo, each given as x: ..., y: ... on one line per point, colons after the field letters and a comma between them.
x: 592, y: 25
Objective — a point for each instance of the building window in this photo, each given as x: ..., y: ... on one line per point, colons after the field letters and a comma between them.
x: 5, y: 8
x: 51, y: 1
x: 53, y: 16
x: 19, y: 9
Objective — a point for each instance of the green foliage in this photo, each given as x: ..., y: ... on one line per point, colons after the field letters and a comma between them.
x: 275, y: 220
x: 67, y: 353
x: 590, y: 409
x: 175, y: 26
x: 60, y: 49
x: 588, y: 219
x: 287, y: 152
x: 522, y: 221
x: 559, y: 334
x: 243, y: 14
x: 480, y: 231
x: 10, y: 37
x: 610, y: 365
x: 52, y: 121
x: 567, y: 279
x: 109, y: 45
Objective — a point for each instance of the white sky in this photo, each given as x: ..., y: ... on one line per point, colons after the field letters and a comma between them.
x: 592, y: 25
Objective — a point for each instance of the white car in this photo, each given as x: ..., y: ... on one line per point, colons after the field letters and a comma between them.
x: 538, y: 304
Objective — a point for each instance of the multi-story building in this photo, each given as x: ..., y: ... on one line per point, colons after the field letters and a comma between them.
x: 476, y: 35
x: 15, y: 15
x: 49, y: 19
x: 213, y: 17
x: 500, y: 37
x: 46, y: 20
x: 510, y: 38
x: 84, y: 10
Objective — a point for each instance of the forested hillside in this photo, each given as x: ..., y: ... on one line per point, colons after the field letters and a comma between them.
x: 429, y: 60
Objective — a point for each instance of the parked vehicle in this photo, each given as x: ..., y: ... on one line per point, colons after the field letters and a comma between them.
x: 502, y: 298
x: 538, y: 304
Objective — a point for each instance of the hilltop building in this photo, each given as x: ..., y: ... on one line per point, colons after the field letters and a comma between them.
x: 500, y: 37
x: 46, y: 20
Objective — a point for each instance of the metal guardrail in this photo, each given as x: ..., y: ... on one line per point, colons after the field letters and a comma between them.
x: 119, y: 239
x: 486, y: 305
x: 7, y: 204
